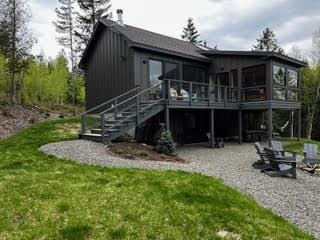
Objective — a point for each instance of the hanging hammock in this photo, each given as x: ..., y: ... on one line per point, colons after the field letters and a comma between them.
x: 281, y: 129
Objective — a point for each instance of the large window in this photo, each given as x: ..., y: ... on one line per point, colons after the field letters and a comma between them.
x: 155, y: 72
x: 194, y: 74
x: 285, y: 84
x: 292, y: 78
x: 279, y: 75
x: 171, y: 70
x: 254, y: 76
x: 234, y: 78
x: 279, y: 94
x: 222, y: 79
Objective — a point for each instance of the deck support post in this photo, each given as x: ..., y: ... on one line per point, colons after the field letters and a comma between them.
x: 212, y: 128
x: 299, y: 124
x: 270, y: 124
x: 291, y: 123
x: 240, y: 125
x: 167, y: 118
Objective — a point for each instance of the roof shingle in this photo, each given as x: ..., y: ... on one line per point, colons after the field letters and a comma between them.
x: 155, y: 40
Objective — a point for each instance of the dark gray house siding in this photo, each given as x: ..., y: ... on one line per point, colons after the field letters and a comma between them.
x: 141, y: 64
x: 108, y: 67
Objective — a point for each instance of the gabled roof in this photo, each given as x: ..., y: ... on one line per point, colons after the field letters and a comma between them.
x: 275, y: 55
x: 152, y: 41
x: 144, y: 39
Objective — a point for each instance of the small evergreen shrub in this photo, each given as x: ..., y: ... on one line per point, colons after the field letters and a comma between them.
x: 165, y: 144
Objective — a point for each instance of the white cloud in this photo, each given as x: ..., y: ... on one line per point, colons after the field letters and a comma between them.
x: 43, y: 29
x: 232, y: 24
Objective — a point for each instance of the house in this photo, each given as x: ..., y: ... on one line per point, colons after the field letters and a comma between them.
x: 134, y: 77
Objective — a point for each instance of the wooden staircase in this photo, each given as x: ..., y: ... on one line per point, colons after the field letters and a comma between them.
x: 116, y: 117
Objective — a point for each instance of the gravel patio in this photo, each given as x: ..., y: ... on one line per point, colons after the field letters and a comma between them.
x: 297, y: 200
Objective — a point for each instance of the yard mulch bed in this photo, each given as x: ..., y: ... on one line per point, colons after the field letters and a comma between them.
x: 138, y: 151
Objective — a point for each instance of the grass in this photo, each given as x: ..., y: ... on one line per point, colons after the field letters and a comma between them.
x: 292, y: 144
x: 46, y: 198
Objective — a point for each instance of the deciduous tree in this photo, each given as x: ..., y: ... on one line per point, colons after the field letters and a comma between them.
x: 15, y: 16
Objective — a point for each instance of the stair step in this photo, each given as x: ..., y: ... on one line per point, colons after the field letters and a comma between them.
x: 93, y: 137
x: 113, y: 130
x: 112, y: 122
x: 98, y: 130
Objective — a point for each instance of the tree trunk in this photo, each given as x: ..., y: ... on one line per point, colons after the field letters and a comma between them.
x: 72, y: 58
x: 309, y: 128
x: 13, y: 60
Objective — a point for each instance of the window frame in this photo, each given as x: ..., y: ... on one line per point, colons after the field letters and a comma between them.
x: 255, y: 86
x: 205, y: 70
x: 286, y: 86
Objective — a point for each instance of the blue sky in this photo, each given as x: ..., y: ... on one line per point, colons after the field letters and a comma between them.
x: 231, y: 24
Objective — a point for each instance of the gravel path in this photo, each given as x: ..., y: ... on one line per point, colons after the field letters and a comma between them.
x: 297, y: 200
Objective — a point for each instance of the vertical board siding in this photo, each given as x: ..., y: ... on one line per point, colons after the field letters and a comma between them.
x: 107, y: 73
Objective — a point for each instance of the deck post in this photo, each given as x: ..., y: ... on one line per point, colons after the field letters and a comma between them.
x: 102, y: 123
x: 190, y: 93
x: 212, y: 128
x: 270, y: 124
x: 137, y: 110
x: 168, y: 91
x: 299, y: 124
x: 167, y: 118
x: 291, y: 122
x: 240, y: 125
x: 83, y: 123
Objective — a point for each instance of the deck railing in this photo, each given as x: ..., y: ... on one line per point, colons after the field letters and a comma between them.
x: 193, y: 92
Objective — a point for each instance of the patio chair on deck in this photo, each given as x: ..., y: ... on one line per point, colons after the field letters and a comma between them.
x: 310, y: 155
x: 263, y: 163
x: 280, y: 165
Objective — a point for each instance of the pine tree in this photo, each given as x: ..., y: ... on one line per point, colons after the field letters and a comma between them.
x: 91, y: 12
x: 15, y: 16
x: 268, y: 42
x: 190, y: 32
x: 165, y: 144
x: 65, y: 27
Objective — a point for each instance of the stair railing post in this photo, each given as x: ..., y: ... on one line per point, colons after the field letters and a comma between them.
x: 102, y: 122
x: 164, y: 88
x: 115, y: 111
x: 190, y: 93
x: 83, y: 123
x: 137, y: 109
x: 225, y: 94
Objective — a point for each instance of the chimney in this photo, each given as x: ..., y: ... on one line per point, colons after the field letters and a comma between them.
x: 120, y: 20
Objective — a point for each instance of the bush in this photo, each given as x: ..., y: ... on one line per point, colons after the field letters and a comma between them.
x: 165, y: 144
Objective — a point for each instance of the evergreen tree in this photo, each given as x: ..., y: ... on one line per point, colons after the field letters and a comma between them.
x: 65, y: 26
x: 190, y: 32
x: 90, y: 13
x: 165, y: 144
x: 15, y: 16
x: 268, y: 42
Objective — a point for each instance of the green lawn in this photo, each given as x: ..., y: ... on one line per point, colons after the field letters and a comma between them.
x: 42, y: 197
x: 291, y: 144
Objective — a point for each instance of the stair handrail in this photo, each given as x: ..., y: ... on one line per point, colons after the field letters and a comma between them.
x: 113, y: 100
x: 131, y: 98
x: 110, y: 101
x: 136, y: 97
